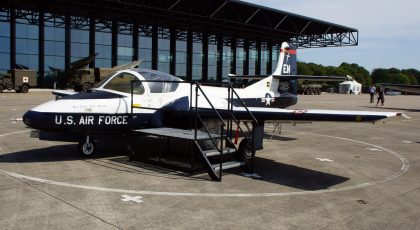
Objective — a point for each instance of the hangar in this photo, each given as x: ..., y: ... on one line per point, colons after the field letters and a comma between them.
x: 195, y: 40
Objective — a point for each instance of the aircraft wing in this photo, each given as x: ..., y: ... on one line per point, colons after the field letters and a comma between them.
x: 311, y: 78
x: 400, y: 87
x: 293, y: 77
x: 275, y: 114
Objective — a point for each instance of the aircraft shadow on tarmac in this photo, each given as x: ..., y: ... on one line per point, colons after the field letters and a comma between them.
x: 276, y: 137
x: 111, y: 157
x: 49, y: 154
x: 295, y: 176
x: 115, y: 159
x: 388, y: 108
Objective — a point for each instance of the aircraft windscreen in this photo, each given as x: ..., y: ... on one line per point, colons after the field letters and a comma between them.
x: 166, y: 86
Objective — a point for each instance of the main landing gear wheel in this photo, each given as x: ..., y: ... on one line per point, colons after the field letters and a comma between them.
x: 87, y: 147
x: 245, y: 154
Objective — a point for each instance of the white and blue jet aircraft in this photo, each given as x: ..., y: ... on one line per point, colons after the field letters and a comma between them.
x: 108, y: 108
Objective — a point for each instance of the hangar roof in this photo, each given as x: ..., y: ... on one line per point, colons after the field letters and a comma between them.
x: 231, y: 17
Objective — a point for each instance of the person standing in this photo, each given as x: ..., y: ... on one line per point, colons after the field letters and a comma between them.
x: 372, y: 91
x: 381, y: 97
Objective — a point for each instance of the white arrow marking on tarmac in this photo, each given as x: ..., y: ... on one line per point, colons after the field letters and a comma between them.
x: 408, y: 142
x: 128, y: 198
x: 324, y: 160
x: 374, y: 149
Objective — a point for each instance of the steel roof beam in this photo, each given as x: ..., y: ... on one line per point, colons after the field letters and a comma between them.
x: 173, y: 5
x: 306, y: 26
x: 281, y: 22
x: 252, y: 16
x: 218, y: 9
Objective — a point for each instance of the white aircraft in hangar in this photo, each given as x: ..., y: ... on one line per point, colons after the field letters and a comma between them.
x: 162, y: 100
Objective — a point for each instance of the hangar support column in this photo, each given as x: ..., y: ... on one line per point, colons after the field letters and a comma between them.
x: 246, y: 60
x: 205, y: 70
x: 189, y: 54
x: 92, y: 49
x: 12, y: 38
x: 135, y: 42
x: 270, y: 58
x: 172, y: 51
x: 233, y: 51
x: 114, y: 52
x: 41, y: 44
x: 258, y: 61
x: 219, y: 58
x: 67, y: 42
x: 155, y: 47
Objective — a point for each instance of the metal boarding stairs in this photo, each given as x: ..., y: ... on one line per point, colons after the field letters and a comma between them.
x: 217, y: 151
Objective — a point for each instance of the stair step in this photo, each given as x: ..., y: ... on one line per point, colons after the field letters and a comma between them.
x: 228, y: 165
x: 214, y: 152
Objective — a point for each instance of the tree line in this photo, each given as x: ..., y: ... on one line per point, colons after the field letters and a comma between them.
x: 360, y: 74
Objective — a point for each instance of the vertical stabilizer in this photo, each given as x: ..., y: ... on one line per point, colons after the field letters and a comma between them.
x: 287, y: 61
x: 286, y: 66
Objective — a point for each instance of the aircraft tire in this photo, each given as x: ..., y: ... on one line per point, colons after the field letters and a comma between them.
x: 245, y: 154
x: 87, y: 149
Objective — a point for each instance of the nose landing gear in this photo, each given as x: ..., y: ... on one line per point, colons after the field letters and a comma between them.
x: 87, y: 147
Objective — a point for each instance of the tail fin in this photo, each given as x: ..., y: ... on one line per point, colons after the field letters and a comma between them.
x: 287, y: 61
x: 286, y: 65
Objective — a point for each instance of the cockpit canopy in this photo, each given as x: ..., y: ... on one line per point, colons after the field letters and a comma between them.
x: 167, y: 83
x: 157, y: 82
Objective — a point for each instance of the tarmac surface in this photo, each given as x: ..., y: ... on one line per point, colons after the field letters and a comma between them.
x: 323, y: 175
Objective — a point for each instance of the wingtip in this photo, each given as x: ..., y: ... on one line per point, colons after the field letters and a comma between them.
x: 403, y: 115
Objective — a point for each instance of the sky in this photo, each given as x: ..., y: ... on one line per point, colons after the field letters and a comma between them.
x: 389, y: 31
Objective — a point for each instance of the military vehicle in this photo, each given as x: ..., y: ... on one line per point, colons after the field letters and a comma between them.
x: 87, y: 78
x: 81, y: 79
x: 68, y: 78
x: 20, y: 80
x: 310, y: 89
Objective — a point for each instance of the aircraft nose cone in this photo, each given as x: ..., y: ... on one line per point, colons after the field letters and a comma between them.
x: 32, y: 119
x: 28, y: 118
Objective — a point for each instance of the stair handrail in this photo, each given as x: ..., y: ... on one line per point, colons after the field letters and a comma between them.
x: 208, y: 100
x: 197, y: 115
x: 242, y: 102
x: 222, y: 125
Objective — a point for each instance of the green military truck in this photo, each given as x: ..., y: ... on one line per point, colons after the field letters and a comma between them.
x: 87, y: 78
x: 19, y: 80
x: 310, y: 89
